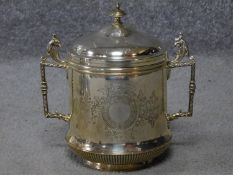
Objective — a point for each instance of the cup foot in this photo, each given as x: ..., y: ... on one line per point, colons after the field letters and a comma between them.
x: 119, y: 157
x: 111, y: 167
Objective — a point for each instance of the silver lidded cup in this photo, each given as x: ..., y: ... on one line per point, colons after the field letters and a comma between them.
x: 118, y: 104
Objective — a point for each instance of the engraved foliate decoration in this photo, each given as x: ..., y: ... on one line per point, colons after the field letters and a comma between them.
x: 123, y: 108
x: 119, y: 109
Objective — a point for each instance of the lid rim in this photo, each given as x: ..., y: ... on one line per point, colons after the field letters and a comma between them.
x: 104, y: 66
x: 110, y: 71
x: 118, y: 58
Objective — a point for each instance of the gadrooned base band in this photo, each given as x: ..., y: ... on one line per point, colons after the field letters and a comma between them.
x: 109, y: 167
x: 119, y: 162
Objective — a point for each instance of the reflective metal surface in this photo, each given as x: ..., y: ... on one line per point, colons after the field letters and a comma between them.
x: 116, y: 109
x: 53, y: 45
x: 183, y: 51
x: 116, y: 42
x: 119, y: 156
x: 118, y: 102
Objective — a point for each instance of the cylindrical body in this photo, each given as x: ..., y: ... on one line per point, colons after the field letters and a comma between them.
x: 119, y: 120
x: 118, y: 83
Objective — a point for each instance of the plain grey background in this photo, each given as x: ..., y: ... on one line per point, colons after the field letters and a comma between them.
x: 30, y: 144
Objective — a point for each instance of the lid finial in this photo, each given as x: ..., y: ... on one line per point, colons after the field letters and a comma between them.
x: 117, y: 13
x: 118, y: 5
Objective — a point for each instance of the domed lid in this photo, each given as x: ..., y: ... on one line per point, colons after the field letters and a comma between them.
x: 116, y: 43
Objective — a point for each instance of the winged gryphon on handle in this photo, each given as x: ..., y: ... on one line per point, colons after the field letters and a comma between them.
x: 52, y: 51
x: 181, y: 53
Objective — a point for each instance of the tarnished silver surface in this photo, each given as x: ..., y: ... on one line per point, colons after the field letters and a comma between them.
x: 129, y: 148
x: 116, y: 109
x: 118, y: 102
